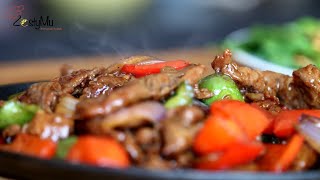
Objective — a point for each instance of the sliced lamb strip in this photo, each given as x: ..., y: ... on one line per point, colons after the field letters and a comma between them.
x: 137, y: 115
x: 154, y: 86
x: 306, y: 159
x: 180, y: 128
x: 300, y: 91
x: 306, y: 81
x: 44, y: 94
x: 77, y: 79
x: 104, y: 83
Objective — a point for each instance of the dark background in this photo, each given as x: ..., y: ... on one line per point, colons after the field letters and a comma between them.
x: 154, y: 25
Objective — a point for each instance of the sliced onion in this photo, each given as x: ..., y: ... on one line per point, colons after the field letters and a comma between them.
x: 153, y: 61
x: 309, y: 127
x: 131, y: 60
x: 129, y: 117
x: 67, y: 106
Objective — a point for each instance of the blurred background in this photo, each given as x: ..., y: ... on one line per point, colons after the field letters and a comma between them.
x: 99, y: 27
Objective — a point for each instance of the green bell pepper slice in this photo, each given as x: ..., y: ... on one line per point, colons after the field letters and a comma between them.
x: 64, y: 146
x: 183, y: 96
x: 15, y: 112
x: 222, y: 86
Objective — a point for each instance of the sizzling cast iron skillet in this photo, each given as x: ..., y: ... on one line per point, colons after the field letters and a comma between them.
x: 24, y: 167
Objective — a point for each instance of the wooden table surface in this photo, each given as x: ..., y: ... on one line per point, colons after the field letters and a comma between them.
x: 45, y: 69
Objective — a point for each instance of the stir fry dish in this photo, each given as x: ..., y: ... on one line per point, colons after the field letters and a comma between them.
x: 155, y: 114
x: 294, y: 44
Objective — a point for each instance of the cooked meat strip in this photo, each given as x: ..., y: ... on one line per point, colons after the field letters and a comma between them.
x: 104, y: 83
x: 88, y: 83
x: 49, y: 126
x: 305, y: 159
x: 77, y: 79
x: 202, y: 93
x: 133, y: 148
x: 148, y: 112
x: 11, y: 130
x: 301, y: 91
x: 154, y: 86
x: 157, y: 162
x: 66, y: 69
x: 307, y: 83
x: 272, y: 106
x: 185, y: 159
x: 255, y: 97
x: 146, y: 136
x: 247, y: 167
x: 179, y: 129
x: 44, y: 94
x: 252, y: 81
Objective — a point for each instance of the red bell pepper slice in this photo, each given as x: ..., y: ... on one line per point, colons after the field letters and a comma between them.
x: 285, y: 121
x: 31, y: 145
x: 250, y: 118
x: 218, y: 133
x: 99, y: 151
x: 279, y: 157
x: 140, y: 70
x: 239, y: 154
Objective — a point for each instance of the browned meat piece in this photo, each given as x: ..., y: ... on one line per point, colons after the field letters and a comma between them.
x: 272, y: 106
x: 305, y: 159
x: 90, y: 83
x: 148, y: 112
x: 202, y: 93
x: 157, y: 162
x: 185, y: 160
x: 66, y: 69
x: 146, y: 136
x: 11, y: 130
x: 247, y: 167
x: 301, y: 91
x: 77, y: 79
x: 50, y: 126
x: 140, y: 151
x: 180, y: 128
x: 154, y: 86
x: 104, y: 84
x: 307, y: 83
x: 250, y: 80
x: 254, y: 97
x: 45, y: 94
x: 133, y: 148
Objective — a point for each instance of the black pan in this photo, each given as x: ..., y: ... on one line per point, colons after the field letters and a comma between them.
x: 24, y: 167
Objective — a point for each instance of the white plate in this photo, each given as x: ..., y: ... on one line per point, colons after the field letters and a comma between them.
x: 251, y: 60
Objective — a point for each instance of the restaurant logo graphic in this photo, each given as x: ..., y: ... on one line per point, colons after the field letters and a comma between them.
x: 36, y: 23
x: 45, y: 23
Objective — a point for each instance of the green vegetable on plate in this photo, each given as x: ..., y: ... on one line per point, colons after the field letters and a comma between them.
x: 183, y: 96
x: 15, y: 112
x: 294, y: 44
x: 222, y: 86
x: 64, y: 146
